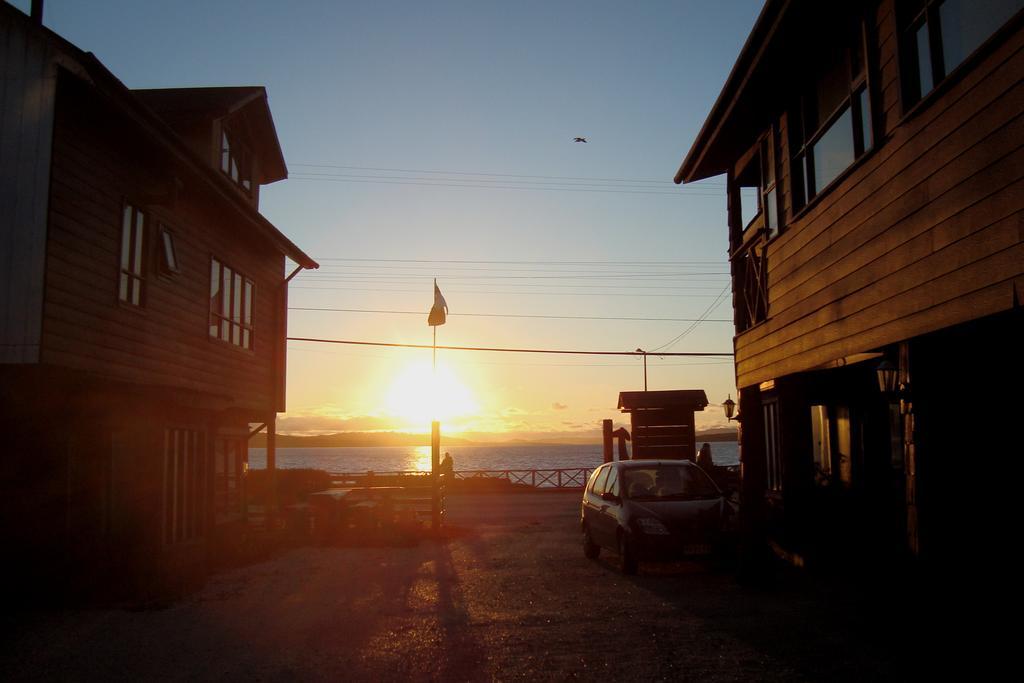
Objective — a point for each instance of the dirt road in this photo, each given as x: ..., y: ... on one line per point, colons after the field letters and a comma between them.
x: 507, y: 596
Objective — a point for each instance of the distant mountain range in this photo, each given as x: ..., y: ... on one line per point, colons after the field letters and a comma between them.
x: 375, y: 439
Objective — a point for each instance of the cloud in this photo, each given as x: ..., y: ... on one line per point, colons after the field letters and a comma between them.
x: 559, y: 406
x: 320, y: 424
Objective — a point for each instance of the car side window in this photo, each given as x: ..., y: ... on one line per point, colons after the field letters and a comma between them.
x: 600, y: 481
x: 612, y: 486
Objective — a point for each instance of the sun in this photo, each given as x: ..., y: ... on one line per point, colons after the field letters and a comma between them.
x: 417, y: 396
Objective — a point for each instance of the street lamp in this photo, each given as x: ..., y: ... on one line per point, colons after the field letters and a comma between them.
x: 888, y: 374
x: 730, y: 409
x: 891, y: 387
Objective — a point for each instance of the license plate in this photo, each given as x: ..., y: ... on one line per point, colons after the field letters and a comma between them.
x: 697, y: 549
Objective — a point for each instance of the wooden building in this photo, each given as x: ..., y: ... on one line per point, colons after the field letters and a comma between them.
x: 142, y: 313
x: 875, y: 174
x: 661, y: 422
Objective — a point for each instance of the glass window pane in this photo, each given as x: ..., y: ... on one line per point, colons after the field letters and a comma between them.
x: 236, y: 335
x: 865, y: 118
x: 924, y: 61
x: 750, y: 204
x: 136, y: 287
x: 225, y: 152
x: 225, y: 330
x: 613, y: 483
x: 137, y: 257
x: 236, y: 310
x: 126, y: 237
x: 966, y: 25
x: 832, y: 89
x: 247, y: 318
x: 772, y: 213
x: 170, y: 257
x: 214, y: 277
x: 225, y: 299
x: 234, y: 170
x: 123, y: 288
x: 820, y: 438
x: 833, y: 152
x: 768, y: 159
x: 246, y: 339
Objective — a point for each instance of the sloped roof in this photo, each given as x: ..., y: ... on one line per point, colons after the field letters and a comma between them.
x: 723, y: 131
x: 649, y: 400
x: 249, y: 102
x: 86, y: 67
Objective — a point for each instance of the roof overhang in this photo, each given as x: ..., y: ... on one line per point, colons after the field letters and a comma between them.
x: 716, y: 145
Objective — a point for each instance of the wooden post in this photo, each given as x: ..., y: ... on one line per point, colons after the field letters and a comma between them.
x: 435, y: 483
x: 606, y: 428
x: 272, y: 470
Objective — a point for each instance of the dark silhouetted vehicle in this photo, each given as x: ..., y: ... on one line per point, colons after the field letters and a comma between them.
x: 654, y: 510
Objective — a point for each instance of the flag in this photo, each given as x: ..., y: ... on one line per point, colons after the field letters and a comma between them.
x: 439, y: 309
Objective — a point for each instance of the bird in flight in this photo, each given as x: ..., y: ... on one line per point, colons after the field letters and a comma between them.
x: 579, y: 139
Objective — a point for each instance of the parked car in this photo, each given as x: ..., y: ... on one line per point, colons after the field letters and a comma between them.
x: 654, y: 510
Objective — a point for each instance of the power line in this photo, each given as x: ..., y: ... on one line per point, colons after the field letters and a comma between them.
x: 511, y: 315
x: 700, y: 354
x: 512, y: 293
x: 535, y: 262
x: 496, y: 175
x: 337, y: 179
x: 693, y: 326
x: 621, y: 276
x: 533, y: 365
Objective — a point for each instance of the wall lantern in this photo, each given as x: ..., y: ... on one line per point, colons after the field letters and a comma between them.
x: 888, y: 376
x: 730, y: 409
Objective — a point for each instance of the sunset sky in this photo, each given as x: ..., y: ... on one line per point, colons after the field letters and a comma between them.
x: 432, y: 140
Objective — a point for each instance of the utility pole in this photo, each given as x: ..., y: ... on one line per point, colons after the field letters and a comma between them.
x: 645, y: 367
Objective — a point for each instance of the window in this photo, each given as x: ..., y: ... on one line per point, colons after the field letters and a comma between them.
x: 232, y: 298
x: 772, y: 446
x: 844, y: 445
x: 612, y: 486
x: 831, y: 125
x: 184, y: 484
x: 821, y: 440
x: 938, y: 35
x: 769, y: 196
x: 600, y: 481
x: 235, y: 160
x: 757, y: 188
x: 168, y: 253
x: 230, y: 460
x: 133, y: 234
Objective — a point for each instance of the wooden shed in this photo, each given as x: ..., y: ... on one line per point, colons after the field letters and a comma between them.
x: 662, y: 422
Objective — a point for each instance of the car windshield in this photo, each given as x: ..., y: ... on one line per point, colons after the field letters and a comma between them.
x: 667, y: 481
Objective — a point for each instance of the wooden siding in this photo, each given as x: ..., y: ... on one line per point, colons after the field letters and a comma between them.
x: 26, y: 123
x: 923, y: 233
x: 97, y: 165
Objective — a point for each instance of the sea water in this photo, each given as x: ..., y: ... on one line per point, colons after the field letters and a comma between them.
x: 417, y: 458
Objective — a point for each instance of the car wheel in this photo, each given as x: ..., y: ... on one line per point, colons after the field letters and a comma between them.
x: 590, y: 549
x: 627, y: 560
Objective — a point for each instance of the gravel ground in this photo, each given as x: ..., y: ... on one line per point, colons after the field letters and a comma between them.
x: 508, y: 595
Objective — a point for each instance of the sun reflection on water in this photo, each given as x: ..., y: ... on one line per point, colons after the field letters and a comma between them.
x: 421, y: 459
